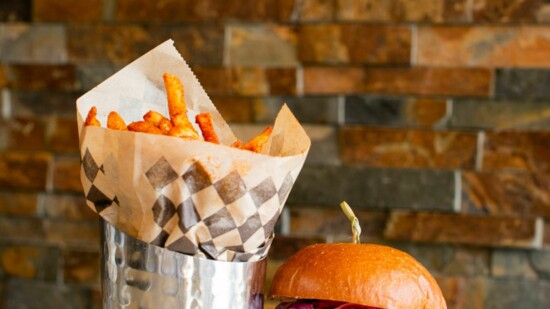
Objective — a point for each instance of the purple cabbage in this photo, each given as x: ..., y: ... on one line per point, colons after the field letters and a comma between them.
x: 320, y: 304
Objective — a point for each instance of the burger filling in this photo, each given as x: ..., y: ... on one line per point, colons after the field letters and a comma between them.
x: 321, y: 304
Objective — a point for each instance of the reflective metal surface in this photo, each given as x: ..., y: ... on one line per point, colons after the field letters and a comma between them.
x: 138, y: 275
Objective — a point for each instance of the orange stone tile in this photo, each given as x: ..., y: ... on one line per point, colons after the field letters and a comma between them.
x: 506, y: 11
x: 204, y: 10
x: 51, y: 77
x: 425, y: 111
x: 416, y: 80
x: 403, y: 10
x: 215, y: 80
x: 24, y: 170
x: 517, y: 150
x: 407, y: 148
x: 513, y: 193
x: 429, y: 81
x: 316, y: 10
x: 491, y: 231
x: 249, y: 81
x: 354, y: 43
x: 67, y: 174
x: 67, y: 10
x: 281, y: 81
x: 234, y: 108
x: 327, y: 80
x: 487, y: 46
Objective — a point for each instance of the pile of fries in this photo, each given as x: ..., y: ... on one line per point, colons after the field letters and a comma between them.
x: 178, y: 125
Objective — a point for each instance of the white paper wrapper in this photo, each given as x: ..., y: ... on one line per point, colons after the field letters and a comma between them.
x: 193, y: 197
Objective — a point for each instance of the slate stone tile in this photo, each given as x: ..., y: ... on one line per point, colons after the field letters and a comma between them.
x: 47, y: 103
x: 511, y: 293
x: 512, y: 264
x: 395, y: 111
x: 316, y: 109
x: 376, y: 188
x: 522, y: 84
x: 34, y: 294
x: 500, y: 115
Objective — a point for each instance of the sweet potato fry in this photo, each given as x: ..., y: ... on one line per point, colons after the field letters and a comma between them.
x: 237, y: 144
x: 183, y: 132
x: 144, y: 126
x: 115, y: 122
x: 154, y: 118
x: 257, y: 143
x: 176, y: 102
x: 204, y: 121
x: 165, y: 125
x: 91, y: 119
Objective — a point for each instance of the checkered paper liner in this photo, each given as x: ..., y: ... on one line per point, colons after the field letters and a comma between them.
x: 192, y: 197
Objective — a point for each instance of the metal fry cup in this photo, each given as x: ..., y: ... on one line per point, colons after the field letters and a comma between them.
x: 136, y: 274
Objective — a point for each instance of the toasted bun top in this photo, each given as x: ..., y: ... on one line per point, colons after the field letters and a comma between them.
x: 369, y: 275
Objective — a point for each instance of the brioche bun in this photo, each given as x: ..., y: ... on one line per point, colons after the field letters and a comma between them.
x: 366, y: 274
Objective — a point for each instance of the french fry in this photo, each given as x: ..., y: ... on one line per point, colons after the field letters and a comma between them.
x: 91, y: 119
x: 144, y: 127
x: 115, y: 122
x: 204, y: 121
x: 237, y: 144
x: 165, y: 125
x: 176, y: 102
x: 178, y: 125
x: 154, y: 118
x: 257, y: 143
x: 183, y: 132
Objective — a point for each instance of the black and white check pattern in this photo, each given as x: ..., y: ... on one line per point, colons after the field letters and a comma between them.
x: 224, y: 218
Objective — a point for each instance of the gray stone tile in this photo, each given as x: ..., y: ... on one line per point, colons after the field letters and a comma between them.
x: 322, y: 221
x: 483, y: 114
x: 15, y: 10
x: 324, y: 145
x: 91, y: 75
x: 66, y: 206
x: 21, y: 230
x: 24, y: 43
x: 411, y: 189
x: 318, y: 109
x: 33, y: 294
x: 512, y: 263
x: 540, y: 261
x: 512, y: 293
x: 469, y: 262
x: 32, y: 103
x: 377, y: 188
x: 375, y: 110
x: 433, y: 257
x: 522, y: 84
x: 394, y: 111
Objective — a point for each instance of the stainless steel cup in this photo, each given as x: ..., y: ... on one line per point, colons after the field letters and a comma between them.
x: 139, y: 275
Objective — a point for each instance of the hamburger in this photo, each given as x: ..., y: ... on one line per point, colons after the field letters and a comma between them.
x: 360, y: 276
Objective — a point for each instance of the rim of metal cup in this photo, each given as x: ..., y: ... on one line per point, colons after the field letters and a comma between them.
x: 155, y: 277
